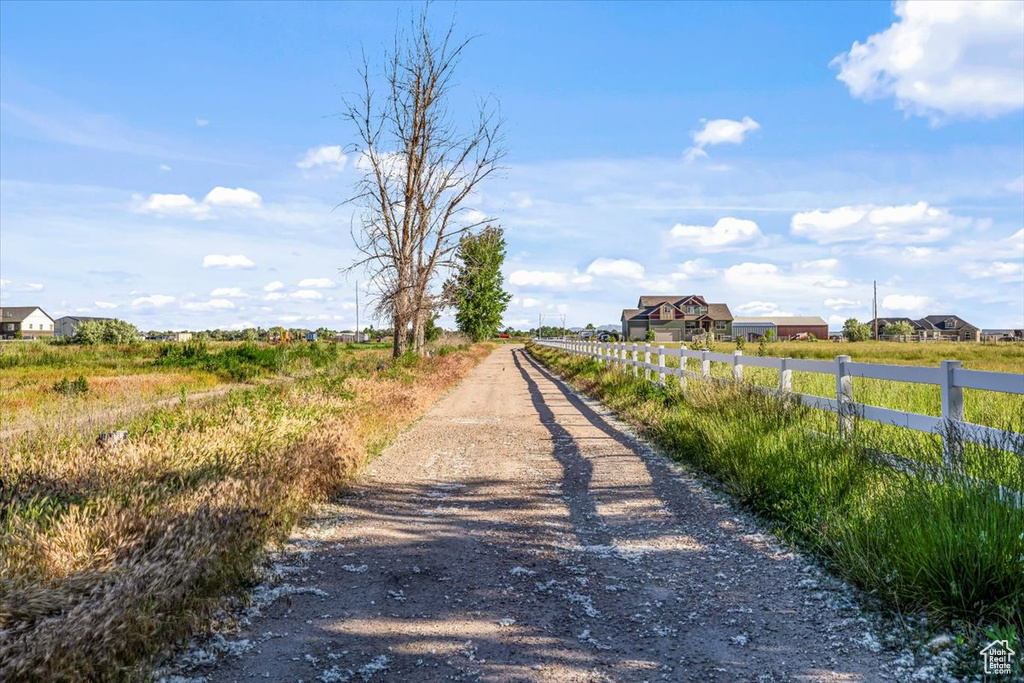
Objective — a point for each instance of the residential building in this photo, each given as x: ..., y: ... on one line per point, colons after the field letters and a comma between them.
x: 25, y: 322
x: 676, y: 318
x: 783, y: 327
x: 68, y: 325
x: 934, y: 328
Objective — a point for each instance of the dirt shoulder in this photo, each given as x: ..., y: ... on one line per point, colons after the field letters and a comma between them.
x: 518, y: 533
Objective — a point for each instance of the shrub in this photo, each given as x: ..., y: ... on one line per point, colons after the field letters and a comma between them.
x: 72, y: 388
x: 649, y: 337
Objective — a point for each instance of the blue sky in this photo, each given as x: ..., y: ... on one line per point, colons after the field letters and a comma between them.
x: 174, y: 164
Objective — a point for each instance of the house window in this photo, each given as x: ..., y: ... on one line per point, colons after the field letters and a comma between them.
x: 691, y: 324
x: 703, y: 310
x: 720, y: 324
x: 691, y: 310
x: 666, y: 312
x: 950, y: 324
x: 30, y: 326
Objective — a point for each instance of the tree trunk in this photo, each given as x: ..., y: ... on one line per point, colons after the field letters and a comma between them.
x: 399, y: 343
x: 419, y: 330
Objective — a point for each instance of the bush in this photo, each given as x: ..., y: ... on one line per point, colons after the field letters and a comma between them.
x: 72, y: 388
x: 649, y: 337
x: 740, y: 342
x: 105, y: 332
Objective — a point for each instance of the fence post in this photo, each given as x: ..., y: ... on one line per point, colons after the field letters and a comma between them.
x: 705, y: 365
x: 636, y: 359
x: 844, y: 396
x: 952, y: 410
x: 647, y: 360
x: 785, y: 377
x: 661, y: 364
x: 737, y: 365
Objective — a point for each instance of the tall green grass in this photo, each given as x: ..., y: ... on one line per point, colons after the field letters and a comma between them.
x: 948, y: 546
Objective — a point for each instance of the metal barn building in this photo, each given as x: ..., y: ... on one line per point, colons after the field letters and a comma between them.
x: 783, y: 327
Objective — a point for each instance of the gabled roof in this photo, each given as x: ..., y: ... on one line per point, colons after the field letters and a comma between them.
x: 939, y: 321
x: 675, y: 300
x: 628, y: 313
x: 15, y: 314
x: 719, y: 312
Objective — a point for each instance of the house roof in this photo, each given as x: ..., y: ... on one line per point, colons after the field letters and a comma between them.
x: 649, y: 303
x: 939, y: 320
x: 675, y: 300
x: 780, y: 320
x: 16, y: 314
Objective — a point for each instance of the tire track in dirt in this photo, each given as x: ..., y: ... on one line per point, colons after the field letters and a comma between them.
x: 519, y: 533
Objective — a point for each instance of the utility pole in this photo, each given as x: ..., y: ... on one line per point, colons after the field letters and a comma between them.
x: 540, y: 326
x: 563, y: 326
x: 874, y: 307
x: 357, y: 311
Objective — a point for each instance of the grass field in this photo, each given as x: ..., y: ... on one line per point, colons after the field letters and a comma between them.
x: 109, y: 555
x: 124, y: 379
x: 952, y: 548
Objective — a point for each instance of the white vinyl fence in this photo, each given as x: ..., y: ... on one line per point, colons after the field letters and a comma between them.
x: 952, y: 379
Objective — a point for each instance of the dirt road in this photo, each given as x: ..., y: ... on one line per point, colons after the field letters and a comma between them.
x: 516, y: 533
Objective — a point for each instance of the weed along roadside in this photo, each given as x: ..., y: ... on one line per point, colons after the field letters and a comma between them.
x: 110, y: 555
x: 949, y: 546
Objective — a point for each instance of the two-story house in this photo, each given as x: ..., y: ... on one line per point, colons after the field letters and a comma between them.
x: 25, y: 322
x: 676, y: 318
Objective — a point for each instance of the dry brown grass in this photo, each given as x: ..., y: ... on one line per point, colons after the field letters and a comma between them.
x: 109, y: 556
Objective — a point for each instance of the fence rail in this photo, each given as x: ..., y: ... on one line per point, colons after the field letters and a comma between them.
x: 949, y: 376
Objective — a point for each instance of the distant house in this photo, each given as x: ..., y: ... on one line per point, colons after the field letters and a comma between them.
x: 783, y: 327
x: 676, y: 318
x: 68, y: 325
x: 934, y: 328
x: 25, y: 322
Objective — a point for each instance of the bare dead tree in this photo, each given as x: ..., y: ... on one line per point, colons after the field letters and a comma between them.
x: 419, y: 170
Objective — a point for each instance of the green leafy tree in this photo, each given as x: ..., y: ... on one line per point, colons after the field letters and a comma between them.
x: 740, y: 342
x: 590, y: 326
x: 106, y: 332
x: 900, y: 328
x: 477, y: 288
x: 856, y: 331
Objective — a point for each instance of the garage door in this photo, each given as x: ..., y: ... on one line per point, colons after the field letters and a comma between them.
x: 664, y: 335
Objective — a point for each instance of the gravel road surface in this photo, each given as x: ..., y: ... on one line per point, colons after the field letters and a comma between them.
x: 519, y: 533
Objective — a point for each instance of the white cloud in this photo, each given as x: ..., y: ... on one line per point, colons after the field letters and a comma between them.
x: 306, y: 294
x: 238, y: 197
x: 169, y: 204
x: 165, y: 167
x: 273, y: 286
x: 227, y: 262
x: 231, y: 292
x: 547, y: 278
x: 698, y: 269
x: 906, y: 303
x: 750, y: 273
x: 943, y: 59
x: 1016, y: 186
x: 756, y: 308
x: 202, y: 123
x: 184, y: 205
x: 621, y: 268
x: 720, y: 131
x: 894, y: 224
x: 104, y: 304
x: 275, y: 296
x: 154, y: 301
x: 1003, y: 270
x: 211, y: 305
x: 472, y: 216
x: 841, y: 304
x: 328, y: 157
x: 318, y: 282
x: 727, y: 233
